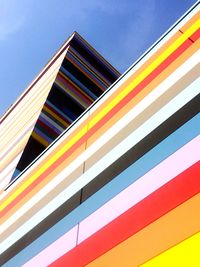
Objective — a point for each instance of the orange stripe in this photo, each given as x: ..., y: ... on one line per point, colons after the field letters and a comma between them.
x: 157, y: 237
x: 188, y: 24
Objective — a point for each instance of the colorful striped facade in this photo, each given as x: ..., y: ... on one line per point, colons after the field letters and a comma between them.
x: 117, y: 181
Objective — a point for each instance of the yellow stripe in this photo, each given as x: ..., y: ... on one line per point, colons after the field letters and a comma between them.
x: 56, y: 116
x: 40, y: 139
x: 97, y: 75
x: 72, y: 94
x: 86, y: 74
x: 78, y: 89
x: 185, y: 254
x: 100, y: 115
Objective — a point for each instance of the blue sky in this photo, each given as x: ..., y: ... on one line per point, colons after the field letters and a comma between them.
x: 31, y: 31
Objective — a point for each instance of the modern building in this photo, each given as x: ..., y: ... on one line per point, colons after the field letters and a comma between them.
x: 99, y: 169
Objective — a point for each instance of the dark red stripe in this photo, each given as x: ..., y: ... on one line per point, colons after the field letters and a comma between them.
x: 76, y: 90
x: 57, y: 113
x: 50, y: 131
x: 86, y: 73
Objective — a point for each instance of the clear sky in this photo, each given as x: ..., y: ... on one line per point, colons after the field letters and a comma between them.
x: 31, y: 31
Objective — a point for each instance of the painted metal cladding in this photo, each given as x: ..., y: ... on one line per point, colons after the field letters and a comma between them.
x: 120, y: 186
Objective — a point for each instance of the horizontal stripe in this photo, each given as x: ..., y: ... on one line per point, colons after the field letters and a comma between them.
x: 87, y: 73
x: 89, y: 67
x: 76, y: 90
x: 49, y: 130
x: 91, y: 50
x: 173, y: 227
x: 129, y: 86
x: 42, y: 135
x: 68, y: 91
x: 184, y: 254
x: 59, y: 118
x: 49, y: 126
x: 78, y: 83
x: 158, y: 118
x: 51, y: 121
x: 38, y: 79
x: 21, y: 127
x: 59, y: 112
x: 168, y: 146
x: 154, y: 206
x: 41, y: 140
x: 147, y: 184
x: 56, y: 250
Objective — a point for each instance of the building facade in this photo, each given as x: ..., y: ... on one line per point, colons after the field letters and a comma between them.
x: 101, y: 169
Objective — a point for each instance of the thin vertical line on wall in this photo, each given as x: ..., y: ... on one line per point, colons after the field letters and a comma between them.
x: 188, y: 37
x: 81, y: 193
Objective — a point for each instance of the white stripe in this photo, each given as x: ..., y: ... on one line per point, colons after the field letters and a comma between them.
x: 57, y: 126
x: 7, y: 173
x: 19, y: 138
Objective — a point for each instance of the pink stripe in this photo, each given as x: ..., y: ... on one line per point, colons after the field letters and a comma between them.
x: 154, y: 179
x: 55, y: 250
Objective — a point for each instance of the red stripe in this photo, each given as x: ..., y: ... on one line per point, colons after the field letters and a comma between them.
x: 195, y: 36
x: 57, y: 113
x: 104, y: 120
x: 169, y: 196
x: 76, y: 91
x: 50, y: 130
x: 86, y: 73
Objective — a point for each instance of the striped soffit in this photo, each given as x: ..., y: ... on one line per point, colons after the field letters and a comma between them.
x: 75, y: 77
